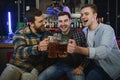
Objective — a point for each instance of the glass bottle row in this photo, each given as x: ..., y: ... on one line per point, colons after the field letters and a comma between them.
x: 51, y: 22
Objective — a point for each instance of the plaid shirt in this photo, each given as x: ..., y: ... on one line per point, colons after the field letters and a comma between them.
x: 80, y: 39
x: 75, y: 60
x: 26, y: 55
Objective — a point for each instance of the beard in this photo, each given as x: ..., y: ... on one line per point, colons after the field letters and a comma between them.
x: 40, y: 29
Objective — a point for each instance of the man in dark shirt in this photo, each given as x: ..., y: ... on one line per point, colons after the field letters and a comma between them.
x: 71, y: 65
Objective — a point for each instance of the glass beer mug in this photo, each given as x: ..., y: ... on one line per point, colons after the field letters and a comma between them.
x: 57, y: 47
x: 52, y: 47
x: 62, y: 49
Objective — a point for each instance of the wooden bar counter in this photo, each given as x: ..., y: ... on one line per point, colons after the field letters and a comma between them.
x: 6, y: 45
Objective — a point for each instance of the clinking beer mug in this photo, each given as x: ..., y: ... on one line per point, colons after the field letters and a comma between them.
x: 57, y: 47
x: 62, y: 49
x: 52, y: 47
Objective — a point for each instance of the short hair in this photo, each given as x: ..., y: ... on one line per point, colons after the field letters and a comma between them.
x: 92, y: 6
x: 64, y: 13
x: 30, y: 14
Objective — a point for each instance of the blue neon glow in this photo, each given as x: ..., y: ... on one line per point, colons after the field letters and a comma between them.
x: 9, y: 23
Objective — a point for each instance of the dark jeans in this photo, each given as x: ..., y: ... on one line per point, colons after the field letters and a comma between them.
x: 97, y: 73
x: 57, y: 70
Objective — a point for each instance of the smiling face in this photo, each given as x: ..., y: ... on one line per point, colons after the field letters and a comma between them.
x: 88, y: 16
x: 64, y: 23
x: 38, y: 24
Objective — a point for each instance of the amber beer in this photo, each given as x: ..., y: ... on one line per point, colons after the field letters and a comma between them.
x: 62, y: 50
x: 57, y: 50
x: 57, y: 47
x: 52, y: 50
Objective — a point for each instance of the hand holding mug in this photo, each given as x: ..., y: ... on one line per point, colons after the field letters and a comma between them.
x: 71, y: 46
x: 43, y: 45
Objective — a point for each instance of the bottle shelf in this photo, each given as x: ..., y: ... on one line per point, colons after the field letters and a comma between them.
x: 51, y: 22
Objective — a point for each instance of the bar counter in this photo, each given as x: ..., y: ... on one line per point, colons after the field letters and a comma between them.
x: 6, y: 44
x: 5, y: 47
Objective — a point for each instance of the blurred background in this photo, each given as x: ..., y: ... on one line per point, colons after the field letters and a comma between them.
x: 12, y: 17
x: 109, y: 10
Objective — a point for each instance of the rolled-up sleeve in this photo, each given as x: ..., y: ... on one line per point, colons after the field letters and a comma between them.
x: 91, y: 52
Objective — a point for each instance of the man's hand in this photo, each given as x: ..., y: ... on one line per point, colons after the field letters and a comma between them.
x: 43, y: 45
x: 78, y: 70
x: 71, y: 46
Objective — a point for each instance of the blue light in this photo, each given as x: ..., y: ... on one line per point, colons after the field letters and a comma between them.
x: 9, y: 23
x: 10, y: 33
